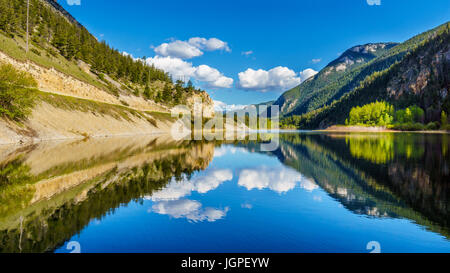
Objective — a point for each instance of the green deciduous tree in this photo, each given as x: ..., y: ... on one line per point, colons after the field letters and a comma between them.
x: 16, y: 93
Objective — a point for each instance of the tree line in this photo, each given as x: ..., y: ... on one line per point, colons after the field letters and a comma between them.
x: 384, y: 114
x: 51, y: 29
x: 56, y: 34
x: 374, y: 87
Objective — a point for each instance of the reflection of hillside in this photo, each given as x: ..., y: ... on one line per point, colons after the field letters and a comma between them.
x: 71, y: 194
x: 405, y: 184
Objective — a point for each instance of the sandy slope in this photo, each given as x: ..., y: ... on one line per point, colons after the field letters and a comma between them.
x: 50, y: 123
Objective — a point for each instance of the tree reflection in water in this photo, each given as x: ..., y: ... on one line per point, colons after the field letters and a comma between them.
x: 49, y: 193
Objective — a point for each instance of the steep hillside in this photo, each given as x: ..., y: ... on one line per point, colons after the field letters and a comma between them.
x: 58, y: 42
x: 421, y: 77
x: 74, y: 86
x: 345, y: 74
x: 332, y: 81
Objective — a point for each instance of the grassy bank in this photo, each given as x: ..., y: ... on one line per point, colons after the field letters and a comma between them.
x: 15, y: 48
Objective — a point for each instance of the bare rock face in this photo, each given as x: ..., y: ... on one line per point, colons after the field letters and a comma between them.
x: 207, y: 103
x: 425, y: 76
x: 60, y: 9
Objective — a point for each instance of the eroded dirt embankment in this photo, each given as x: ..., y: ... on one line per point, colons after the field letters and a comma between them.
x: 48, y: 122
x: 53, y: 81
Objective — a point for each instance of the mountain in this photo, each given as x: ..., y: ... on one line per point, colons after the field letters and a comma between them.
x: 345, y: 74
x: 416, y: 72
x: 57, y: 40
x: 337, y: 78
x: 70, y: 85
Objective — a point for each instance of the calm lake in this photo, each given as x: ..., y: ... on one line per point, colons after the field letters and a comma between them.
x: 317, y: 192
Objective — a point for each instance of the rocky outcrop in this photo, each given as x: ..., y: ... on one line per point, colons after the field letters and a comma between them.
x: 424, y: 78
x: 335, y: 80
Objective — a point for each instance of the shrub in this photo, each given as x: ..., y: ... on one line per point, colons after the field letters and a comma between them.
x: 410, y: 115
x: 101, y: 76
x: 409, y: 126
x: 373, y: 114
x: 444, y: 120
x: 432, y: 126
x: 16, y: 93
x: 35, y: 51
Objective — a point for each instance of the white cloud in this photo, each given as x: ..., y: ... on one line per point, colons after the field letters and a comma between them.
x: 126, y: 54
x: 247, y: 53
x: 192, y: 48
x: 220, y: 106
x: 307, y: 73
x: 374, y: 2
x: 224, y: 150
x: 279, y: 179
x: 178, y: 49
x: 174, y: 66
x: 212, y: 76
x: 213, y: 180
x: 179, y: 68
x: 74, y: 2
x: 276, y: 79
x: 189, y: 209
x: 211, y: 44
x: 178, y: 189
x: 315, y: 61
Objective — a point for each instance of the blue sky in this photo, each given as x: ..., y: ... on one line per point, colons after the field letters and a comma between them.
x: 245, y: 52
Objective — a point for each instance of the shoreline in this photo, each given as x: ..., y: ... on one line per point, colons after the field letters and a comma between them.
x: 373, y: 129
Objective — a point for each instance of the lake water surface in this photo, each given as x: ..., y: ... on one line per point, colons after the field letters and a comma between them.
x: 318, y: 192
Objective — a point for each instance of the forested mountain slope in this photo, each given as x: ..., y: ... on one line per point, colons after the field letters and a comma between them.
x: 421, y: 77
x: 59, y: 42
x: 345, y: 74
x: 331, y: 82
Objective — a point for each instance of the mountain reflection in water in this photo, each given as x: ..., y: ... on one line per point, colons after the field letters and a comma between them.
x: 52, y: 193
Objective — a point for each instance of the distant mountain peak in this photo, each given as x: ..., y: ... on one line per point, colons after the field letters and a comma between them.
x: 359, y: 54
x: 337, y: 78
x: 65, y: 13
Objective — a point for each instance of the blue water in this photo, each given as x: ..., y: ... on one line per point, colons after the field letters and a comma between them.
x: 248, y: 201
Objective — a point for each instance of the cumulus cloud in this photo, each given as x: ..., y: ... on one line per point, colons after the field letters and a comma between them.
x: 192, y: 48
x: 178, y: 189
x: 74, y: 2
x: 212, y: 76
x: 279, y: 179
x: 189, y: 209
x: 178, y: 49
x: 307, y: 73
x: 220, y: 106
x: 179, y: 68
x: 126, y: 54
x: 174, y: 66
x: 276, y: 79
x: 211, y: 44
x: 224, y: 150
x: 374, y: 2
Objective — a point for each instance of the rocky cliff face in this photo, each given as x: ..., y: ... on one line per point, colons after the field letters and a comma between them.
x: 60, y: 9
x: 424, y: 78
